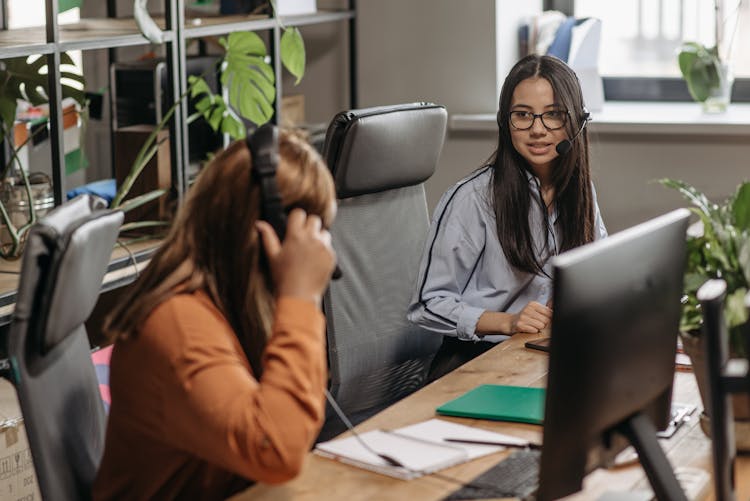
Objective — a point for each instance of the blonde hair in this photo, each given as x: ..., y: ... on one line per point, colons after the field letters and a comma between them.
x: 213, y: 244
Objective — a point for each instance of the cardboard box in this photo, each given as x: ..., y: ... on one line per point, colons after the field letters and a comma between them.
x: 17, y: 476
x: 156, y: 174
x: 293, y: 110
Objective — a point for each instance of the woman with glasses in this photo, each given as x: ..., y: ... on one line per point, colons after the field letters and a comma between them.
x: 486, y: 272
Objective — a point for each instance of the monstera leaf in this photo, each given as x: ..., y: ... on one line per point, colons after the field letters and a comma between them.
x: 26, y: 79
x: 214, y: 109
x: 248, y: 77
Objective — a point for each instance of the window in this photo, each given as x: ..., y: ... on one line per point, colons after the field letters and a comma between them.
x: 640, y: 38
x: 22, y: 14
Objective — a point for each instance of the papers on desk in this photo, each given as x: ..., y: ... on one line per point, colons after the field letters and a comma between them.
x: 419, y: 447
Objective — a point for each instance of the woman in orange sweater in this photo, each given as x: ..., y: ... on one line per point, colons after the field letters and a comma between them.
x: 219, y: 366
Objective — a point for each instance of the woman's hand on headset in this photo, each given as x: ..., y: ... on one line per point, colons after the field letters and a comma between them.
x: 302, y: 264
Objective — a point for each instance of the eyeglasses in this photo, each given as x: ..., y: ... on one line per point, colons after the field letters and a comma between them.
x: 552, y: 120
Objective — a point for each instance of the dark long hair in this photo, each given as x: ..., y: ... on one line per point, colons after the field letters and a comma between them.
x: 213, y: 245
x: 571, y: 177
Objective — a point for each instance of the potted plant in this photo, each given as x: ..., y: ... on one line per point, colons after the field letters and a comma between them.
x: 25, y: 79
x: 249, y: 81
x: 706, y: 69
x: 718, y: 246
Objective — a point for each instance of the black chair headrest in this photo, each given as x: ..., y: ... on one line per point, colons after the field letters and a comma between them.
x: 66, y: 257
x: 377, y: 149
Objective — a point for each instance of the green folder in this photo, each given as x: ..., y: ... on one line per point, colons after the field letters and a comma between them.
x: 498, y: 403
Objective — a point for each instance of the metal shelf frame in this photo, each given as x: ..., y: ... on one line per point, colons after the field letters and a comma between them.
x: 53, y: 39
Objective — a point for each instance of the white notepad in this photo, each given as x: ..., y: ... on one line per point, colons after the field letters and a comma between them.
x: 420, y: 447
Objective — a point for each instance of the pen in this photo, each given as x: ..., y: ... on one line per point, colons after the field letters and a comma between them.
x: 527, y: 445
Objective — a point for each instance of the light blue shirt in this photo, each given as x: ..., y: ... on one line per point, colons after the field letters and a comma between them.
x: 464, y: 271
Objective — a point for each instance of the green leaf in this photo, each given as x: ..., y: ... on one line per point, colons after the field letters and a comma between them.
x: 232, y: 126
x: 700, y: 69
x: 741, y: 207
x: 248, y: 78
x: 27, y: 79
x: 743, y: 256
x: 693, y: 281
x: 8, y: 110
x: 215, y: 119
x: 203, y: 105
x: 141, y: 199
x: 692, y: 195
x: 69, y: 75
x: 293, y: 53
x: 245, y: 42
x: 198, y: 86
x: 143, y: 224
x: 687, y: 55
x: 734, y: 308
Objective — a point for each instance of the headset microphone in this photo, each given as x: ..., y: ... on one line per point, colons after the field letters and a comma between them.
x: 565, y: 145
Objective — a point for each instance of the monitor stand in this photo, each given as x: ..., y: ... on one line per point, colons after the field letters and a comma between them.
x: 641, y: 432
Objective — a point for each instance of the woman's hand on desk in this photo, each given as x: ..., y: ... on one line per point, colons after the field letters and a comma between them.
x: 533, y: 318
x: 302, y: 264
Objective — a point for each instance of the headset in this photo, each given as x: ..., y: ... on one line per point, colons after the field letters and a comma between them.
x: 264, y: 152
x: 565, y: 145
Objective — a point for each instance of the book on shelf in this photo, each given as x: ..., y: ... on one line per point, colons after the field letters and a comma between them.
x: 421, y: 448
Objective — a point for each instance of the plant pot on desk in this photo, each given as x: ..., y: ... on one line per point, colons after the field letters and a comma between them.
x: 695, y: 347
x: 14, y: 197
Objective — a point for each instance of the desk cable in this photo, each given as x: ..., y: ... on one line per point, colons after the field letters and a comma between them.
x: 398, y: 464
x: 131, y: 257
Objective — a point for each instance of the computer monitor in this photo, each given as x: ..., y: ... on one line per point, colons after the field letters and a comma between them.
x: 612, y: 354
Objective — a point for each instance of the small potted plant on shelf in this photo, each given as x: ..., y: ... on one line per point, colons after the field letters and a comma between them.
x: 718, y: 246
x: 706, y: 69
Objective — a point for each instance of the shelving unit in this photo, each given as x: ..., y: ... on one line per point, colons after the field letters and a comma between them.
x: 110, y: 33
x: 51, y: 40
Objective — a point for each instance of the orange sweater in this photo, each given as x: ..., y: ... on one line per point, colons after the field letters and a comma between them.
x: 188, y: 419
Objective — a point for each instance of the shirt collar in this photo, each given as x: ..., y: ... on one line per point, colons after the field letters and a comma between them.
x: 534, y: 185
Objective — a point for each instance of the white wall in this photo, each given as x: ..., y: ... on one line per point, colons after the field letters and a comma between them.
x: 444, y: 51
x: 624, y: 167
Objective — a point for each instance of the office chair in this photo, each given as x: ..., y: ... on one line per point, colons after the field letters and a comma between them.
x: 725, y: 376
x: 66, y: 256
x: 379, y: 158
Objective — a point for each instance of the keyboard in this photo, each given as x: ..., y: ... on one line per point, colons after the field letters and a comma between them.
x: 517, y: 476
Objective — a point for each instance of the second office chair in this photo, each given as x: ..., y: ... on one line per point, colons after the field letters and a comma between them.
x: 380, y: 158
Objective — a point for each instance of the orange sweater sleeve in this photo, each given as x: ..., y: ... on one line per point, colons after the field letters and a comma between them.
x: 218, y: 411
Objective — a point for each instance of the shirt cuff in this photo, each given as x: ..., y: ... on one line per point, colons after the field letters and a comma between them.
x: 467, y: 323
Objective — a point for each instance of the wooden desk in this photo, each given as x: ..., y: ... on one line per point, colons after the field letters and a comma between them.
x: 509, y: 363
